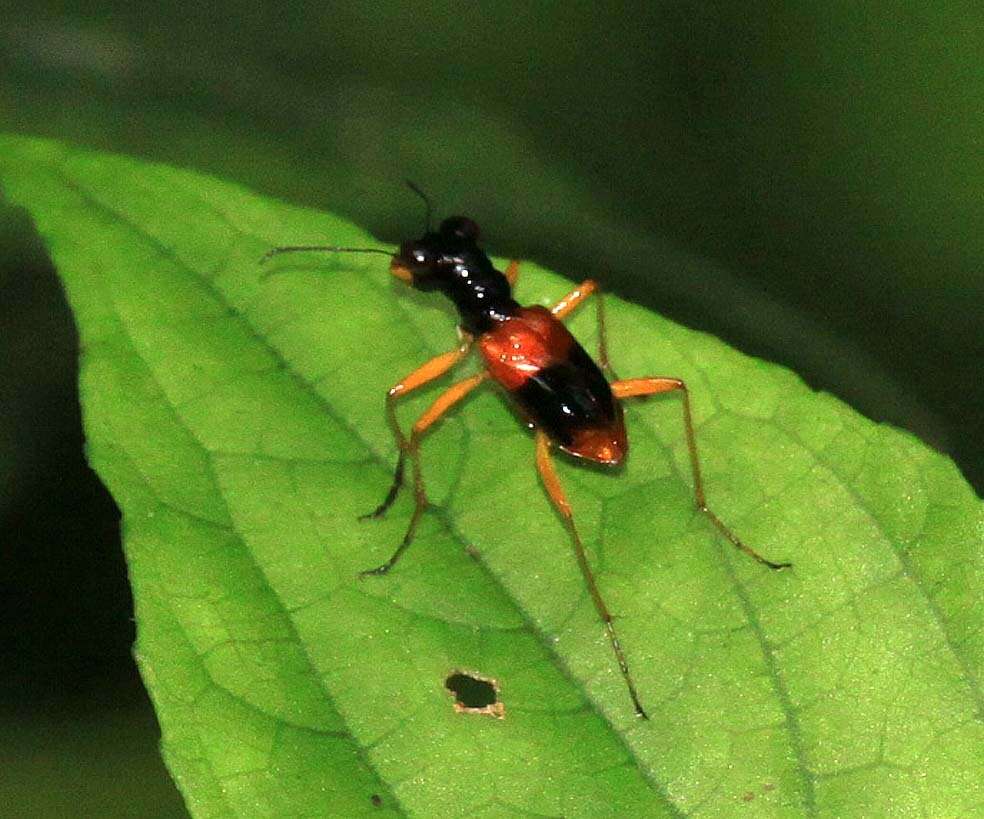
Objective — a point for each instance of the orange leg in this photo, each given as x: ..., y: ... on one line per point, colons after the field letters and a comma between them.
x: 444, y: 402
x: 566, y: 305
x: 512, y: 272
x: 424, y: 374
x: 652, y: 386
x: 556, y: 492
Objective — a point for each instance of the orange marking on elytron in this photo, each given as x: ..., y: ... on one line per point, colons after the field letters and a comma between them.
x: 605, y: 445
x: 524, y: 344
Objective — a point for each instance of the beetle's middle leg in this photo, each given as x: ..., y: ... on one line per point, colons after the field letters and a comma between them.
x: 445, y: 401
x: 435, y: 368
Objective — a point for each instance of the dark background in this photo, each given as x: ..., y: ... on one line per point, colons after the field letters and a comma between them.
x: 803, y: 182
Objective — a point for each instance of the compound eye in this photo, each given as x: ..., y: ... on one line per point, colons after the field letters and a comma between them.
x: 415, y: 254
x: 461, y: 227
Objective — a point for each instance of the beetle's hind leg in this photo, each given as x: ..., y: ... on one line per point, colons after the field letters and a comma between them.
x: 548, y: 474
x: 394, y: 489
x: 634, y: 387
x: 444, y: 402
x: 424, y: 374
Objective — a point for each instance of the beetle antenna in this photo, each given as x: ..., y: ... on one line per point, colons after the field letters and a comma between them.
x: 427, y: 203
x: 324, y: 248
x: 276, y: 251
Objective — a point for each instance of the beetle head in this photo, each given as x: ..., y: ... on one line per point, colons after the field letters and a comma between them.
x: 429, y: 261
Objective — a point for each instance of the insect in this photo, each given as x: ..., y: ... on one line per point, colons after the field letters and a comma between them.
x: 530, y: 354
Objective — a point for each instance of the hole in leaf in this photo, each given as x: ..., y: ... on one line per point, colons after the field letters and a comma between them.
x: 475, y: 694
x: 376, y: 800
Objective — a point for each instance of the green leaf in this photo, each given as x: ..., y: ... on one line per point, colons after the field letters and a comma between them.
x: 238, y: 422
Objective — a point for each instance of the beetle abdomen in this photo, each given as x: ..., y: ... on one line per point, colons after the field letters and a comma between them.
x: 556, y: 384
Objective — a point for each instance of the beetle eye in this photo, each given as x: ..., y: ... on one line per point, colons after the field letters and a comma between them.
x: 414, y: 253
x: 461, y: 227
